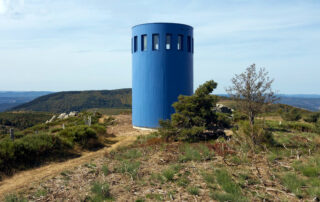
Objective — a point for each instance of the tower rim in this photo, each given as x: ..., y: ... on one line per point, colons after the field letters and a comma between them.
x: 164, y: 23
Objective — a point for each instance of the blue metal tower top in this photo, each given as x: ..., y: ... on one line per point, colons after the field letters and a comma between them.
x: 162, y: 69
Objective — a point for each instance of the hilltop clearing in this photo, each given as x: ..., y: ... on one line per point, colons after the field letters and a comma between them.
x: 148, y: 168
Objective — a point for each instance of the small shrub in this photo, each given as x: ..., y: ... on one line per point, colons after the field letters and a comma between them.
x: 302, y: 127
x: 41, y: 192
x: 291, y: 115
x: 193, y: 190
x: 223, y: 120
x: 310, y: 171
x: 129, y: 154
x: 101, y: 191
x: 105, y: 170
x: 157, y: 197
x: 128, y: 167
x: 14, y: 198
x: 221, y: 196
x: 226, y: 182
x: 189, y: 154
x: 238, y: 116
x: 293, y: 183
x: 312, y: 118
x: 81, y: 135
x: 208, y: 177
x: 30, y: 150
x: 55, y: 130
x: 183, y: 181
x: 310, y: 168
x: 260, y: 135
x: 168, y: 174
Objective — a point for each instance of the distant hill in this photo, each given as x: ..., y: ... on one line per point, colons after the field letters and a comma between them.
x: 309, y: 102
x: 10, y: 99
x: 78, y: 101
x: 312, y: 104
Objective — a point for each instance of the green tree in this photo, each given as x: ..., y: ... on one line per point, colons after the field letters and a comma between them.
x: 252, y: 90
x: 194, y: 116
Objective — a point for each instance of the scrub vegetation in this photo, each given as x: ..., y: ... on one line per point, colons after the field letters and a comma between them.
x: 58, y: 140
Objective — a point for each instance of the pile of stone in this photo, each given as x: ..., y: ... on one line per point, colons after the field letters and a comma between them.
x: 63, y: 116
x: 223, y: 109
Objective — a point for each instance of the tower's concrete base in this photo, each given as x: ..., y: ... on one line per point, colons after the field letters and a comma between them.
x: 147, y: 129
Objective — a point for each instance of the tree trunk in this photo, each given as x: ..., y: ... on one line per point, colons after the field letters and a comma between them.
x: 251, y: 119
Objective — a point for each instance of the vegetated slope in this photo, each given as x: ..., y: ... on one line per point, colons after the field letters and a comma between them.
x: 79, y: 100
x: 21, y: 120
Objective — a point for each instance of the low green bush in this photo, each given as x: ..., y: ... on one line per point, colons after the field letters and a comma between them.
x: 238, y: 116
x: 193, y: 190
x: 81, y: 135
x: 101, y: 191
x: 312, y: 118
x: 293, y: 183
x: 128, y: 167
x: 14, y: 198
x: 198, y: 152
x: 29, y: 151
x: 232, y: 190
x: 291, y: 115
x: 302, y: 127
x: 260, y: 134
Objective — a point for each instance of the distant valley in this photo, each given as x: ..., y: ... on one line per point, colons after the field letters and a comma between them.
x: 121, y: 98
x: 10, y: 99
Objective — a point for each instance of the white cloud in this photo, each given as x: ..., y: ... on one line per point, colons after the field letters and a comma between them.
x: 3, y: 7
x: 11, y: 6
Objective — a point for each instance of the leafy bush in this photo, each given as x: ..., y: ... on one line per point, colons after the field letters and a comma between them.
x: 193, y: 190
x: 224, y: 120
x: 195, y: 116
x: 101, y: 191
x: 168, y: 174
x: 312, y: 118
x: 261, y: 135
x: 128, y: 167
x: 302, y: 127
x: 293, y: 183
x: 129, y: 154
x: 233, y: 190
x: 238, y: 116
x: 195, y: 153
x: 105, y: 170
x: 291, y: 115
x: 14, y: 198
x: 81, y: 135
x: 29, y: 151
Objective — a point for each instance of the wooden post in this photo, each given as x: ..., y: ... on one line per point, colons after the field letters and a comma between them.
x: 12, y: 134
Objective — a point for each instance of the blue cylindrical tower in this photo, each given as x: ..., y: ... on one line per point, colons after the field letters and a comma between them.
x: 162, y: 69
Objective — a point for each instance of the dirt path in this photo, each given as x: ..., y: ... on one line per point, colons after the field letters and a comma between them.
x: 124, y: 133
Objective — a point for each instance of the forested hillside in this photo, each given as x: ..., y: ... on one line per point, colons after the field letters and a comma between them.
x: 79, y: 100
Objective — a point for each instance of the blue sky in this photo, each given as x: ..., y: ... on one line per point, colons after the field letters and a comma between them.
x: 61, y: 45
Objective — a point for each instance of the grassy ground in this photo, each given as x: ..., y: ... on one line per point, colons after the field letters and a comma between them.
x: 153, y: 170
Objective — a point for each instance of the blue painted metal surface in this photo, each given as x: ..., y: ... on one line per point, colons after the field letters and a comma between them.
x: 160, y: 76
